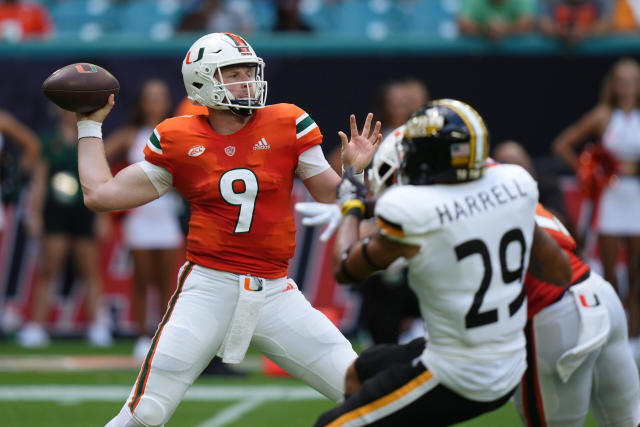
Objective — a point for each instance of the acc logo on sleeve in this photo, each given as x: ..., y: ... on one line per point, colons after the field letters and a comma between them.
x: 196, y: 150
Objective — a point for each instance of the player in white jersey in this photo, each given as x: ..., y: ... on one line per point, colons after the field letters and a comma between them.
x: 467, y: 234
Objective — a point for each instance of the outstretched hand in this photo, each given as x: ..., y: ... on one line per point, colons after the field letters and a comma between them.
x: 359, y: 150
x: 100, y: 114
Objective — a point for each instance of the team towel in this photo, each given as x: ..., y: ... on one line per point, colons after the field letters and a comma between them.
x: 251, y: 297
x: 594, y: 327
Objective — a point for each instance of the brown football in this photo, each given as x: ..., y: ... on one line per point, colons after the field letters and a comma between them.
x: 81, y: 87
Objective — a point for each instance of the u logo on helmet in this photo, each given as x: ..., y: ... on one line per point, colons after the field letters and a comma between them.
x: 200, y: 55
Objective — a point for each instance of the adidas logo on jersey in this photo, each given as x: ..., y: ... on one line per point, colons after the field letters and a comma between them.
x: 261, y: 145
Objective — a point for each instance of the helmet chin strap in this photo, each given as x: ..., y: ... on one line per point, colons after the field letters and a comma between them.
x: 242, y: 112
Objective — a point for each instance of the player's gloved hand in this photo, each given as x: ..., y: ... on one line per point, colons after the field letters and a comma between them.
x: 351, y: 193
x: 321, y: 213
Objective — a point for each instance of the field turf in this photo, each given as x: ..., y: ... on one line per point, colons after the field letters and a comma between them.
x: 46, y: 388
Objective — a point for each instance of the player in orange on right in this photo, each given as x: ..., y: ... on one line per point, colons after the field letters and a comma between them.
x: 236, y: 168
x: 578, y: 353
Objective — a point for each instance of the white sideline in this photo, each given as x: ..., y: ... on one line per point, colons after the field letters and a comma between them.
x: 112, y: 393
x: 232, y: 413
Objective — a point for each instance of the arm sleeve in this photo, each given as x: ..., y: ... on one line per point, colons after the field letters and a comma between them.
x: 159, y: 176
x: 155, y: 152
x: 311, y: 162
x: 307, y: 131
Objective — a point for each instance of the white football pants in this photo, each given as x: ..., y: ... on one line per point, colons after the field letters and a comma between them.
x: 607, y: 380
x: 297, y: 337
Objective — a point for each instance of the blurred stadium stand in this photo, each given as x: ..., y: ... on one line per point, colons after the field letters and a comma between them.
x: 378, y: 19
x: 527, y: 88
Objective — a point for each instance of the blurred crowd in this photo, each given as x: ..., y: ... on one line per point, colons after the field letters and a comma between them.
x: 602, y: 148
x: 606, y: 167
x: 567, y: 20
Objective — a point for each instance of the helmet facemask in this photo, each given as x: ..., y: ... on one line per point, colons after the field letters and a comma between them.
x: 384, y: 166
x: 202, y: 73
x: 219, y: 91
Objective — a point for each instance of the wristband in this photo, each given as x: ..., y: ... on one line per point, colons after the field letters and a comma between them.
x: 358, y: 176
x: 89, y: 129
x: 355, y: 204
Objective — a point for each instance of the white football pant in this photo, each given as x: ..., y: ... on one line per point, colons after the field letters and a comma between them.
x: 607, y: 380
x: 297, y: 337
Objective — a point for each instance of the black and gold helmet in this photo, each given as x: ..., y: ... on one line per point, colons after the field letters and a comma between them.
x: 445, y: 141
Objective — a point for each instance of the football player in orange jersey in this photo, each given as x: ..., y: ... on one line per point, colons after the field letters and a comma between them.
x: 236, y: 168
x: 578, y: 354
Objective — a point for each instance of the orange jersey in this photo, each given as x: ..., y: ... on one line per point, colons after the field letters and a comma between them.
x: 239, y: 186
x: 541, y: 294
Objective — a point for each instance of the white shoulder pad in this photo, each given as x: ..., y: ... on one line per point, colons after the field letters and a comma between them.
x: 399, y: 216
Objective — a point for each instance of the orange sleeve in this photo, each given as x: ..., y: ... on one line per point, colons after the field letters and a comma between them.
x: 155, y: 150
x: 307, y: 131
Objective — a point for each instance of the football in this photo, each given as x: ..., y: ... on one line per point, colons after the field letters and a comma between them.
x: 81, y: 87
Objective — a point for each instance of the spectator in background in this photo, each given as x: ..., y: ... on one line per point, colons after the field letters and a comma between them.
x: 625, y: 16
x: 288, y: 17
x: 395, y: 101
x: 59, y: 216
x: 28, y: 142
x: 496, y: 19
x: 152, y: 231
x: 573, y: 20
x: 218, y: 15
x: 21, y: 20
x: 616, y: 122
x: 398, y: 99
x: 549, y: 192
x: 389, y: 309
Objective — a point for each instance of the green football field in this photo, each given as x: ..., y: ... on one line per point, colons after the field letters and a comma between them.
x: 72, y: 385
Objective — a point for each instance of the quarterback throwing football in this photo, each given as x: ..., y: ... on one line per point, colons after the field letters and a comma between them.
x: 236, y: 168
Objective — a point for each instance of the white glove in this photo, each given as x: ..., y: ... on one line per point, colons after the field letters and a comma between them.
x: 321, y: 213
x: 350, y: 187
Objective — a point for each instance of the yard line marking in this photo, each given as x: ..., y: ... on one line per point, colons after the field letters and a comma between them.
x: 232, y: 413
x: 23, y: 363
x: 66, y: 363
x: 115, y: 393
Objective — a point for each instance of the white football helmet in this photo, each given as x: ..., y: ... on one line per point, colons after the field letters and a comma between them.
x: 204, y: 83
x: 385, y: 163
